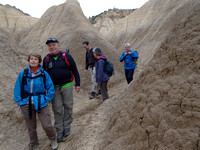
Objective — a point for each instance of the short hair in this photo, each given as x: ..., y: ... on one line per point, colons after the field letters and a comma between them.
x: 86, y: 42
x: 127, y: 44
x: 35, y: 55
x: 97, y: 51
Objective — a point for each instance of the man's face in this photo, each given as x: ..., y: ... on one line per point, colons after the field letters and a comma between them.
x: 86, y: 46
x: 53, y: 47
x: 127, y: 48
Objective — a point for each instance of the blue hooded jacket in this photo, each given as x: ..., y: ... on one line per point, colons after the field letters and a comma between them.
x: 129, y: 60
x: 35, y: 85
x: 101, y: 76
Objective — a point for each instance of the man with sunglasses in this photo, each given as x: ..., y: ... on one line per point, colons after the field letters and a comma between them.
x: 61, y: 68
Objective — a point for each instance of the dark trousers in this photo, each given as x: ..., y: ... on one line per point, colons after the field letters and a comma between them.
x: 104, y: 90
x: 45, y: 119
x: 129, y: 75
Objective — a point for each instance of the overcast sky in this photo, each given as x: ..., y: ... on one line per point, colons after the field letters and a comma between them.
x: 36, y: 8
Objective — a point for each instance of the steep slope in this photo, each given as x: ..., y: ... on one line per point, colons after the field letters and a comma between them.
x: 161, y: 109
x: 10, y: 116
x: 105, y: 21
x: 147, y: 27
x: 14, y: 19
x: 68, y: 24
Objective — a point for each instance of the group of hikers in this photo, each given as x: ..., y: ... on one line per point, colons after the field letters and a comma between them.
x: 37, y: 85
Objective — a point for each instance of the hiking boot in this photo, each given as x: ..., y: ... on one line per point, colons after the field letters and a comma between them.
x: 60, y: 137
x: 35, y: 147
x: 92, y: 95
x: 66, y: 132
x: 54, y: 144
x: 99, y: 92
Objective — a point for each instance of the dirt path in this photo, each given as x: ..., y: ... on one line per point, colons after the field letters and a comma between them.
x: 83, y: 126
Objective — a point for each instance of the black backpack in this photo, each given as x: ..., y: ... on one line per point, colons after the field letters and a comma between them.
x: 108, y: 68
x: 65, y: 58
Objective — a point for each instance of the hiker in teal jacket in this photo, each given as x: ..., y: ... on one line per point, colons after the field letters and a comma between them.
x: 33, y: 91
x: 33, y: 86
x: 130, y: 58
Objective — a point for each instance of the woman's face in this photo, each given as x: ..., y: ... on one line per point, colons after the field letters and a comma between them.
x: 95, y: 55
x: 34, y: 61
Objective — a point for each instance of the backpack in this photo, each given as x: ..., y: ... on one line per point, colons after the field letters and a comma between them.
x: 67, y: 62
x: 24, y: 82
x: 25, y: 94
x: 108, y: 68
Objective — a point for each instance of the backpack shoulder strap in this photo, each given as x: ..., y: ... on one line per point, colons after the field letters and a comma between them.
x: 44, y: 78
x: 48, y: 55
x: 67, y: 62
x: 24, y: 82
x: 65, y: 58
x: 106, y: 60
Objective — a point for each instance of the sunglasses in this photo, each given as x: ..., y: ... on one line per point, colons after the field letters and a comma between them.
x: 51, y: 40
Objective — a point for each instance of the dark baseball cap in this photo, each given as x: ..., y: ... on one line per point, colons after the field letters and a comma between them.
x: 51, y: 40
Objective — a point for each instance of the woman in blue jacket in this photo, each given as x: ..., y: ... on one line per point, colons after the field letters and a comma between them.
x: 130, y: 58
x: 101, y: 76
x: 33, y: 91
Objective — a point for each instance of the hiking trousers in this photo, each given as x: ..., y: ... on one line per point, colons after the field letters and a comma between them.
x: 45, y: 119
x: 62, y: 105
x: 93, y: 78
x: 129, y: 75
x: 104, y: 90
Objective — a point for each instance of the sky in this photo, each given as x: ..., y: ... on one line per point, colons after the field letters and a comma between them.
x: 36, y: 8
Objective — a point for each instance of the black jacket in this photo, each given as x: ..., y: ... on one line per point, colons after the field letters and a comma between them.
x: 90, y: 59
x: 59, y: 71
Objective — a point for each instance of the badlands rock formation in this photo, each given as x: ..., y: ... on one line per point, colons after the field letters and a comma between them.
x: 68, y: 24
x: 105, y: 21
x: 160, y: 109
x: 11, y: 64
x: 11, y: 58
x: 149, y: 26
x: 14, y: 19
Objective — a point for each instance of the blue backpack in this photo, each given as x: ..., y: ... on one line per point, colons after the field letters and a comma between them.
x: 108, y: 68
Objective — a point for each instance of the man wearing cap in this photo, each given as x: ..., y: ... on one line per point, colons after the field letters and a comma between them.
x: 61, y: 74
x: 90, y: 63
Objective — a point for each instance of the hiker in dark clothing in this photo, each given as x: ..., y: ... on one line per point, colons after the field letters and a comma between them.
x: 33, y: 91
x: 62, y: 68
x: 90, y: 63
x: 130, y: 58
x: 101, y: 76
